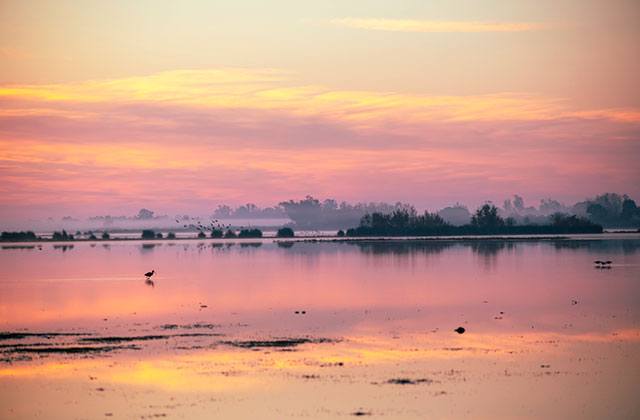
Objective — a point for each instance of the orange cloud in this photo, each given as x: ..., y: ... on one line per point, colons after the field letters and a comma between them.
x: 272, y: 90
x: 413, y: 25
x: 206, y: 136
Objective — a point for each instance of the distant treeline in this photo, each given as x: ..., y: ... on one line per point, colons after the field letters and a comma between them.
x: 485, y: 221
x: 18, y: 236
x: 610, y: 210
x: 312, y: 214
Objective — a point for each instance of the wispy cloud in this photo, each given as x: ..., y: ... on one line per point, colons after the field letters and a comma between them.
x: 177, y: 138
x: 414, y: 25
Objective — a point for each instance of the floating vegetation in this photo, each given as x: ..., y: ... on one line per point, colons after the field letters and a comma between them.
x: 284, y: 342
x: 407, y: 381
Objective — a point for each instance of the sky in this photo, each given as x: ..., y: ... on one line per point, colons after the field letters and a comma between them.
x: 107, y: 107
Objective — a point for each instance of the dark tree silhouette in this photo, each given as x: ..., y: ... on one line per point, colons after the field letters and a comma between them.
x: 250, y: 233
x: 148, y: 234
x: 285, y: 232
x: 486, y: 218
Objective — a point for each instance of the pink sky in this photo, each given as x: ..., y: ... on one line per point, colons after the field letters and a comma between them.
x: 108, y: 114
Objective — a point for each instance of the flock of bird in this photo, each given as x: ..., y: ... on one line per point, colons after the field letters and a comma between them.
x: 213, y: 225
x: 602, y: 264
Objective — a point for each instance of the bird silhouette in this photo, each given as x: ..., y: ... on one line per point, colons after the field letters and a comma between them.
x: 460, y: 330
x: 149, y: 274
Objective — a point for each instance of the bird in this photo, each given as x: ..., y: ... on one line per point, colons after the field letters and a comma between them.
x: 149, y: 274
x: 598, y: 262
x: 460, y: 330
x: 607, y: 262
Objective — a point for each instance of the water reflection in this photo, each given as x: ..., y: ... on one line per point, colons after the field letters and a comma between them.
x: 371, y: 324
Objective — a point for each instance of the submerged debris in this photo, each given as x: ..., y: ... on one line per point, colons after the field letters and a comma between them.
x: 72, y: 349
x: 23, y: 335
x: 407, y: 381
x: 283, y: 342
x: 116, y: 339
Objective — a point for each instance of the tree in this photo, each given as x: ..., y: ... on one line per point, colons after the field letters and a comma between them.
x: 148, y: 234
x: 486, y: 217
x: 518, y: 203
x: 597, y: 212
x: 144, y: 214
x: 222, y: 211
x: 250, y: 233
x: 285, y: 232
x: 458, y: 214
x: 629, y: 209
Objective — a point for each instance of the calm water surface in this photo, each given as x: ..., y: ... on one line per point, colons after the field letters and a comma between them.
x: 321, y: 330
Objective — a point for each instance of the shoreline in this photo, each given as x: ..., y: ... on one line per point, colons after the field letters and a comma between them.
x: 335, y: 238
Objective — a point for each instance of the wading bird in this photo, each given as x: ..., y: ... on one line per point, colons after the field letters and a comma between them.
x: 149, y: 274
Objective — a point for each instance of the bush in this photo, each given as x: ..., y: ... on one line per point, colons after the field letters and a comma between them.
x: 250, y: 233
x: 159, y: 235
x: 340, y: 233
x: 171, y: 235
x: 105, y: 235
x: 92, y: 237
x: 148, y: 234
x: 285, y: 232
x: 485, y: 221
x: 230, y: 234
x: 201, y: 235
x: 18, y: 236
x: 62, y: 236
x: 217, y: 233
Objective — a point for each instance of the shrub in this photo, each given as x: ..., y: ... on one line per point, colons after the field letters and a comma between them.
x: 230, y: 234
x: 171, y: 235
x: 148, y: 234
x: 285, y: 232
x: 250, y: 233
x: 201, y: 235
x: 105, y: 235
x: 62, y: 236
x: 340, y: 233
x: 18, y: 236
x: 159, y: 235
x: 217, y: 233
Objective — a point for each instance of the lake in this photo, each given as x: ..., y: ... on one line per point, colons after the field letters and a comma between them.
x: 321, y: 329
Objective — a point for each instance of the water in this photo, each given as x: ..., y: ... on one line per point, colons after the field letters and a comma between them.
x: 217, y: 333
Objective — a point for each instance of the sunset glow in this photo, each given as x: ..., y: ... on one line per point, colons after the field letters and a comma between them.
x: 224, y: 113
